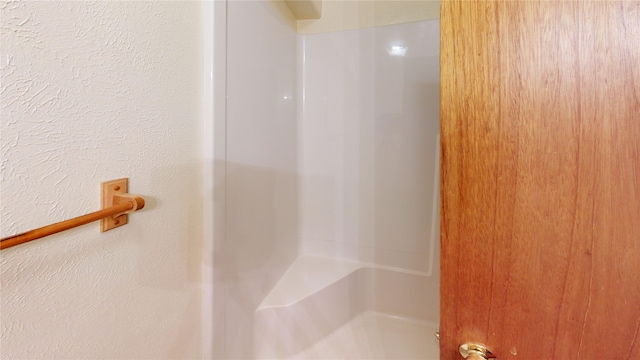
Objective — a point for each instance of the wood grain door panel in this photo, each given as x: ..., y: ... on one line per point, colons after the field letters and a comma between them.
x: 540, y: 133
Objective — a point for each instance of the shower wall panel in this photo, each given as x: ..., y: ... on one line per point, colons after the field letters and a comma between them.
x: 368, y: 145
x: 261, y: 237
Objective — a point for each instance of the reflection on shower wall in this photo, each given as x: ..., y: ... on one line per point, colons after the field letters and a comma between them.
x: 368, y: 145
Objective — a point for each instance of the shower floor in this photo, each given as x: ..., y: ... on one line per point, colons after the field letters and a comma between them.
x: 377, y: 336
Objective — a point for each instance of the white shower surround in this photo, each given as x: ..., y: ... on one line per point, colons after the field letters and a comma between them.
x: 368, y: 145
x: 368, y: 150
x: 366, y: 125
x: 317, y: 296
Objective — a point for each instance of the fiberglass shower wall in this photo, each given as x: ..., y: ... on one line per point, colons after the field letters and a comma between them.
x: 329, y: 148
x: 260, y: 188
x: 368, y: 145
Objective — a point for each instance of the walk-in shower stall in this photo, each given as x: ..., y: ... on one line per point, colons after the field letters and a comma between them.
x: 326, y: 193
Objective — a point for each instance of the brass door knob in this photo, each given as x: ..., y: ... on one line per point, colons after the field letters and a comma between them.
x: 475, y: 351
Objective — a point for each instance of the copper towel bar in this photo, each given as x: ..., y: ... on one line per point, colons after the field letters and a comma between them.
x: 116, y: 204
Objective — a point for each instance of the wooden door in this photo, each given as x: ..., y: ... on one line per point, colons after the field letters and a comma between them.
x: 540, y: 113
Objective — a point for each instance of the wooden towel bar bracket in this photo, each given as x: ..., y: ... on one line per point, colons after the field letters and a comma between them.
x: 116, y: 203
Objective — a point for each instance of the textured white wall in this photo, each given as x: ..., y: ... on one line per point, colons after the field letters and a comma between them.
x: 93, y: 91
x: 340, y: 15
